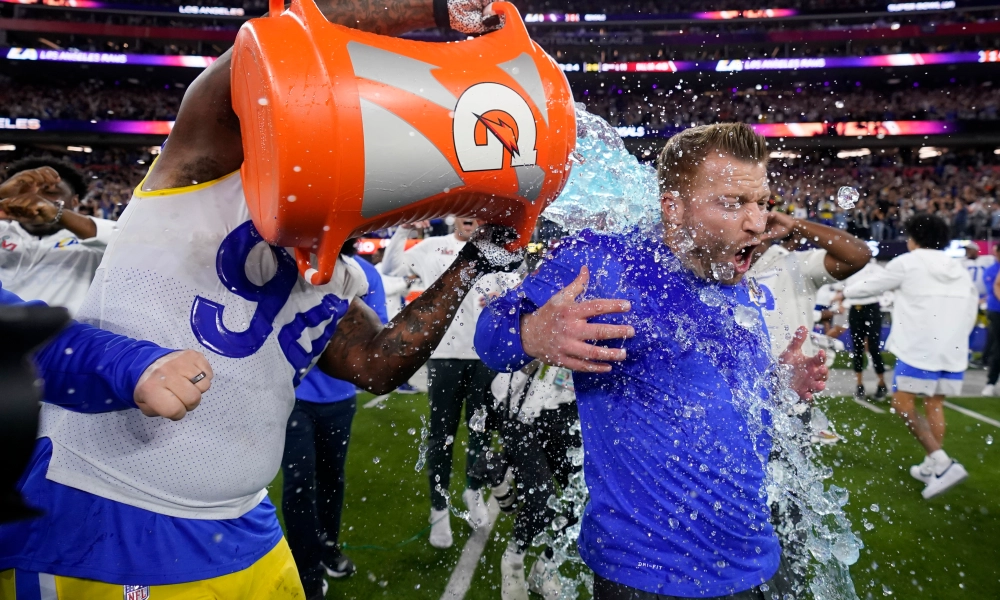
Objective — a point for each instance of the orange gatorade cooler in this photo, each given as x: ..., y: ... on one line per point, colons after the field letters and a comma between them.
x: 346, y: 132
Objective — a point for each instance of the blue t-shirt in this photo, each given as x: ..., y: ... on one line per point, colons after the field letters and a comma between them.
x: 676, y: 437
x: 318, y: 387
x: 989, y: 276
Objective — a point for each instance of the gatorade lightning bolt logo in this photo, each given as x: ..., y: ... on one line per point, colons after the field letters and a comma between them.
x: 493, y: 129
x: 506, y: 133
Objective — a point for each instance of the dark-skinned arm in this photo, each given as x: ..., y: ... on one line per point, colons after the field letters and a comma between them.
x: 379, y: 359
x: 206, y: 144
x: 845, y: 253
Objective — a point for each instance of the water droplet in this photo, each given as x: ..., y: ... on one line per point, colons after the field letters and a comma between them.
x: 262, y: 101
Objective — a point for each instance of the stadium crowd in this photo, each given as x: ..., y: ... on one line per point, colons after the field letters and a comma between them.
x: 104, y: 100
x: 803, y: 104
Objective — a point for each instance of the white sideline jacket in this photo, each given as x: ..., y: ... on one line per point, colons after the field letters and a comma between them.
x: 934, y: 311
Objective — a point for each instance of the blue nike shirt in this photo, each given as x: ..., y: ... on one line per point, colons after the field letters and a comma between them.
x: 676, y: 437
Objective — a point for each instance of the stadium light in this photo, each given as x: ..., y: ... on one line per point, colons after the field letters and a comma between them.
x: 855, y: 153
x: 926, y: 152
x: 785, y: 154
x: 12, y: 147
x: 997, y: 151
x: 85, y: 149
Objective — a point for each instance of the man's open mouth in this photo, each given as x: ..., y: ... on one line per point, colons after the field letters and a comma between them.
x: 744, y: 258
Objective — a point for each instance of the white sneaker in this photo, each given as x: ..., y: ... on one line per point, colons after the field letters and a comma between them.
x: 441, y: 529
x: 512, y: 583
x: 989, y: 390
x: 954, y: 474
x: 477, y: 508
x: 544, y: 579
x: 923, y: 472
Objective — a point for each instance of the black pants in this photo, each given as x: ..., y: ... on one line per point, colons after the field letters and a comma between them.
x: 865, y: 322
x: 316, y: 440
x: 537, y: 454
x: 452, y: 383
x: 776, y: 588
x: 993, y: 339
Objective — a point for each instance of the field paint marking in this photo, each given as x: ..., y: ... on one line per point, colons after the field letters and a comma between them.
x: 376, y: 401
x: 461, y: 577
x: 972, y: 413
x: 869, y: 406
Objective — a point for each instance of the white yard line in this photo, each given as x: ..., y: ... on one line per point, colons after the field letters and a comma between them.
x: 869, y: 406
x: 461, y: 577
x: 376, y: 401
x: 972, y: 413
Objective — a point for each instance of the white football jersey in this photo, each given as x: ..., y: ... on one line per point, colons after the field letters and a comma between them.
x: 188, y: 270
x: 56, y: 269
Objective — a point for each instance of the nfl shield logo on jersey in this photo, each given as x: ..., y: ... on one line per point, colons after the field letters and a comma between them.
x: 136, y: 592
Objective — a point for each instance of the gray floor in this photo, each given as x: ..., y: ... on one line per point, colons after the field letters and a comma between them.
x: 842, y: 382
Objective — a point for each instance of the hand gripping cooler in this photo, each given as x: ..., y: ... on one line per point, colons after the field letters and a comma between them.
x: 345, y: 132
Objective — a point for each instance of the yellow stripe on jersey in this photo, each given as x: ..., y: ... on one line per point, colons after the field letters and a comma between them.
x: 273, y: 577
x: 139, y: 193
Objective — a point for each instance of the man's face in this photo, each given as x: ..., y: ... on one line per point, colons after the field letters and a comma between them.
x: 724, y: 212
x: 464, y: 228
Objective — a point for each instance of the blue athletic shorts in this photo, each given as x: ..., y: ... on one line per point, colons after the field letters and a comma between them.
x: 927, y: 383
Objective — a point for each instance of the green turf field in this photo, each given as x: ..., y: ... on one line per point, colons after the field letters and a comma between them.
x: 946, y: 548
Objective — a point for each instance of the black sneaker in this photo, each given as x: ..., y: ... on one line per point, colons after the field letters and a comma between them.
x: 339, y: 566
x: 881, y: 392
x: 859, y: 394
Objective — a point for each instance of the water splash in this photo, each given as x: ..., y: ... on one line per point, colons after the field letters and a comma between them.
x: 608, y: 189
x: 422, y: 447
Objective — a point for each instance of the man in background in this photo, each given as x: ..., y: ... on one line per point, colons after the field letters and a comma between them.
x: 456, y: 376
x: 316, y: 441
x: 934, y: 312
x: 48, y: 251
x: 992, y: 352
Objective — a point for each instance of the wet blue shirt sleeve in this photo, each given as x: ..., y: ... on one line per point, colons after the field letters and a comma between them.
x: 498, y: 331
x: 90, y: 370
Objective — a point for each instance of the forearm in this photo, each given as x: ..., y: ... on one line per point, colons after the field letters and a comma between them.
x: 81, y: 226
x: 393, y: 261
x: 846, y: 254
x: 87, y: 369
x: 380, y: 359
x: 386, y: 17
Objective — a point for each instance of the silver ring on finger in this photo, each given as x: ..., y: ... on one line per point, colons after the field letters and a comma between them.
x: 198, y: 377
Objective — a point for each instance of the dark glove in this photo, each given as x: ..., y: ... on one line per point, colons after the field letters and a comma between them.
x: 487, y: 249
x: 466, y: 16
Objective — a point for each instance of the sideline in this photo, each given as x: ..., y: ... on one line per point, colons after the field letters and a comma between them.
x: 972, y: 413
x: 377, y: 400
x: 461, y: 577
x: 869, y: 405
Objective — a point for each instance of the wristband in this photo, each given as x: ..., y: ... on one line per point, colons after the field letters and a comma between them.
x: 59, y: 213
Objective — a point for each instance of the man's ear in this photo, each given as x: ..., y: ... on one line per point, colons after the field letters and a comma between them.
x: 673, y: 209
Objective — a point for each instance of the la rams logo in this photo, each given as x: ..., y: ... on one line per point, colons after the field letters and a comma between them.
x: 493, y: 128
x: 136, y: 592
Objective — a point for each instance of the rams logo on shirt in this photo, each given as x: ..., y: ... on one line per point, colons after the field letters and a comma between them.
x: 66, y: 243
